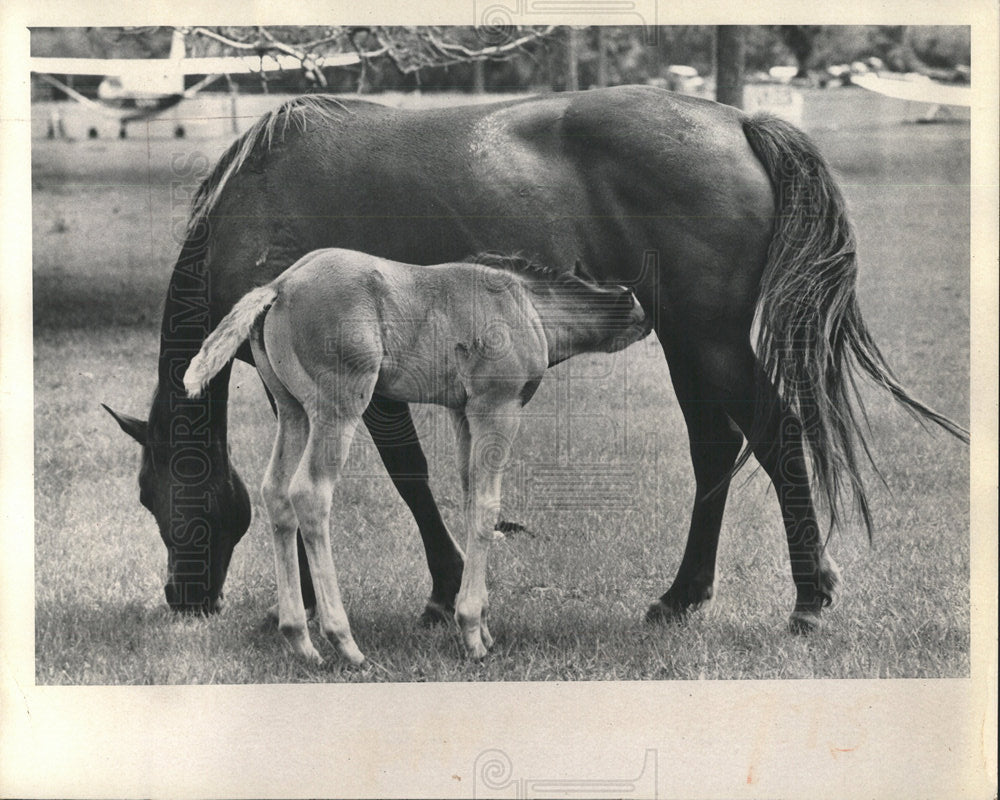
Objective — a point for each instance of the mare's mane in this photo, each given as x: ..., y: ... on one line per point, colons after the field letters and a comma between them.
x: 297, y: 112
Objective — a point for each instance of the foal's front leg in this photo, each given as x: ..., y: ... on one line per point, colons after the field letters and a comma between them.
x: 485, y: 435
x: 463, y: 441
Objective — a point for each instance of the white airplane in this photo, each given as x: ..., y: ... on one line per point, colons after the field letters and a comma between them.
x: 135, y: 89
x: 916, y: 87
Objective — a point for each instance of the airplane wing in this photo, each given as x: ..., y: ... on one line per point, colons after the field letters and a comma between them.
x: 919, y: 88
x: 135, y: 88
x: 157, y: 67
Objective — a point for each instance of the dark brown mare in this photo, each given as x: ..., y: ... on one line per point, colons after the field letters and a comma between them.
x: 739, y: 216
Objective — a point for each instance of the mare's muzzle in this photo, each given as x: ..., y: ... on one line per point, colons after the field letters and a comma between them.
x: 191, y: 599
x: 194, y: 580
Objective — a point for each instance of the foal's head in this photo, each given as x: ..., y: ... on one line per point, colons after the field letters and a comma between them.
x: 579, y: 316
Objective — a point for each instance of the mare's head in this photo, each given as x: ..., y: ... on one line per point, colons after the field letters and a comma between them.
x: 578, y: 314
x: 201, y: 507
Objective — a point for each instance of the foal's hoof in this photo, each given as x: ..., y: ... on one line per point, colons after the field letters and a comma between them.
x: 309, y: 654
x: 435, y: 614
x: 352, y: 655
x: 802, y: 623
x: 477, y: 651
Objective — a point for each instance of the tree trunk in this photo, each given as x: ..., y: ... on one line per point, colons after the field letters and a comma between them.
x: 572, y: 71
x: 602, y: 57
x: 479, y: 76
x: 729, y: 65
x: 799, y: 39
x: 233, y: 110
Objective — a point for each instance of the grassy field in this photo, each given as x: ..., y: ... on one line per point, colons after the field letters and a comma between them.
x: 567, y: 596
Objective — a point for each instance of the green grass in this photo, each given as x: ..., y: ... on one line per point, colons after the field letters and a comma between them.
x: 568, y: 596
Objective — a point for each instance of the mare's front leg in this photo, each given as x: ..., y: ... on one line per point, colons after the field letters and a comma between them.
x: 392, y: 430
x: 485, y: 434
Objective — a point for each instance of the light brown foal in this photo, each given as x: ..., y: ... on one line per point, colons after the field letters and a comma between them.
x: 339, y: 326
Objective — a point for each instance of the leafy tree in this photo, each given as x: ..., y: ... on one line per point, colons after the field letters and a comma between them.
x: 799, y: 40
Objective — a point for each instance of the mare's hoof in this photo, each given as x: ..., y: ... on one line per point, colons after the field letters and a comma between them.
x: 662, y: 614
x: 435, y: 614
x: 679, y: 601
x: 672, y: 610
x: 830, y: 580
x: 802, y: 623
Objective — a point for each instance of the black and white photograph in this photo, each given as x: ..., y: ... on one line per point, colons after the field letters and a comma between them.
x: 506, y: 401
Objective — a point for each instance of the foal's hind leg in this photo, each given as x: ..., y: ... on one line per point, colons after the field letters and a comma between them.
x: 311, y: 492
x: 715, y: 442
x: 305, y: 579
x: 289, y: 443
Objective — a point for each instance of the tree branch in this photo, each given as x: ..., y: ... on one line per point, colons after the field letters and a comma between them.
x: 410, y: 48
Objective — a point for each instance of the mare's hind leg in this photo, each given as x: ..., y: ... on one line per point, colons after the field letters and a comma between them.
x: 289, y: 444
x: 715, y: 442
x: 391, y: 428
x: 731, y: 373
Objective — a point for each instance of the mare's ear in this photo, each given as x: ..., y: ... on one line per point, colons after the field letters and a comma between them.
x: 136, y: 428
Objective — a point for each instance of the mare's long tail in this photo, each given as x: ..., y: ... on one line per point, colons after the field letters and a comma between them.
x: 812, y: 340
x: 222, y: 343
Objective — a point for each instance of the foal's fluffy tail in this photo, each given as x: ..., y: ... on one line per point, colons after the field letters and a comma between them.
x: 222, y: 343
x: 813, y: 341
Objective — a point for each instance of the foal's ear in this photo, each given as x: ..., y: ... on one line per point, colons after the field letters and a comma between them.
x: 136, y: 428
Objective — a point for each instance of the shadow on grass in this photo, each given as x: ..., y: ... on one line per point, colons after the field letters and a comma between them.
x: 61, y: 302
